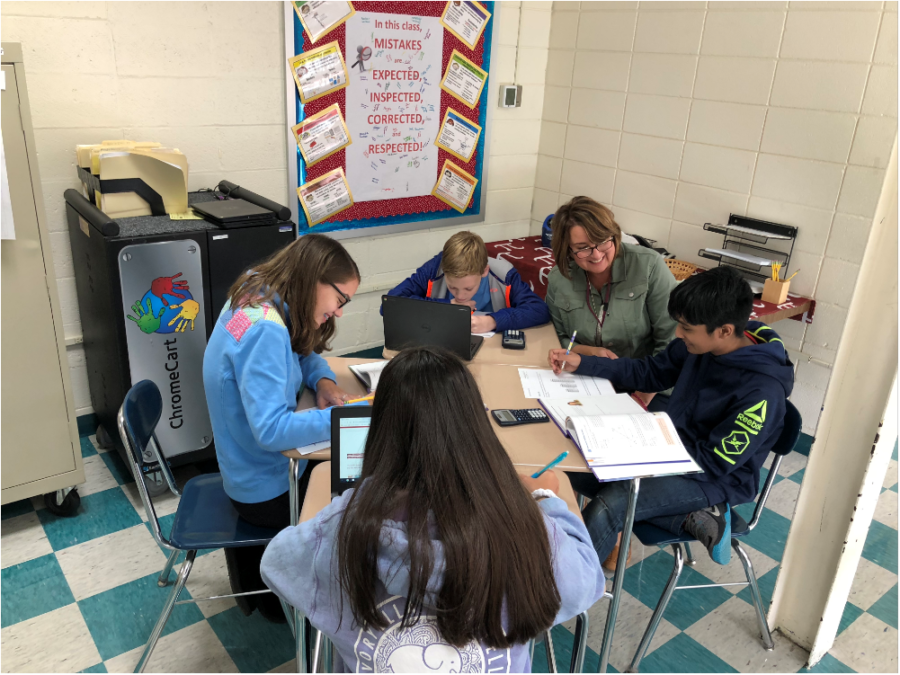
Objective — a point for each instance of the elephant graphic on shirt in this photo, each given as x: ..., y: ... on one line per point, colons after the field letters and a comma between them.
x: 433, y: 658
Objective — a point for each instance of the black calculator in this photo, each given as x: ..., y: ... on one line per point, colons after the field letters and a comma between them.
x: 509, y: 418
x: 513, y: 339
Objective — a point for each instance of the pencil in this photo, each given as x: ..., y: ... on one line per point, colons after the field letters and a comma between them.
x: 362, y: 398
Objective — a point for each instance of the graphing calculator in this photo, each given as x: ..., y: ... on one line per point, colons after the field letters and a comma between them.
x: 509, y: 418
x: 513, y: 339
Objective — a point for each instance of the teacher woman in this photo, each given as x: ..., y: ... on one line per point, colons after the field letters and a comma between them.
x: 265, y: 348
x: 615, y: 295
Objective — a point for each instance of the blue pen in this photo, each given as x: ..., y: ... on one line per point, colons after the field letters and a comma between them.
x: 551, y: 464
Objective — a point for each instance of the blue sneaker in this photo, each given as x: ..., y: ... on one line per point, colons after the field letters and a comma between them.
x: 712, y: 528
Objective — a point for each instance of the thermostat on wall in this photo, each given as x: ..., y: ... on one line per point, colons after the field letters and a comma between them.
x: 510, y: 95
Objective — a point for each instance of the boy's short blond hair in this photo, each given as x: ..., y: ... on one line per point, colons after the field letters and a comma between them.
x: 464, y: 255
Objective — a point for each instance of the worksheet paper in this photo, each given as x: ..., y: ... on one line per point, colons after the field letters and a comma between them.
x: 539, y: 383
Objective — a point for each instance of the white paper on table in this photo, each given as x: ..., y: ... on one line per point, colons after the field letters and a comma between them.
x: 313, y: 447
x: 7, y: 227
x: 540, y: 383
x: 487, y: 335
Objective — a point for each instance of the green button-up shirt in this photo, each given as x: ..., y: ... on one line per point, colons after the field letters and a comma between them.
x: 637, y: 322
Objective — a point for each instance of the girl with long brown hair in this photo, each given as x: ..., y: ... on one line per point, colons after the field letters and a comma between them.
x: 443, y: 557
x: 264, y: 350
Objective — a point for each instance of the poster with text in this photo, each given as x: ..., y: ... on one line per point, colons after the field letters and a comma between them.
x: 393, y: 104
x: 455, y: 186
x: 459, y: 136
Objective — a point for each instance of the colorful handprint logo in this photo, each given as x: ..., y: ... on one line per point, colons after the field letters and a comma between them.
x: 168, y: 307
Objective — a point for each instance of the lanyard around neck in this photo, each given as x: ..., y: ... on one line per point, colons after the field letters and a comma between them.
x: 590, y: 305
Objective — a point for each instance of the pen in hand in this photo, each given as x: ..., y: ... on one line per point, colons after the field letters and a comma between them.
x: 556, y: 461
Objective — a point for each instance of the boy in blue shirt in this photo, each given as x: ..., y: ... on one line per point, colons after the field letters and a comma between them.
x: 462, y: 274
x: 731, y: 379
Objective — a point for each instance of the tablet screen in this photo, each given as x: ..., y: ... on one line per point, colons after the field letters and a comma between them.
x: 353, y: 432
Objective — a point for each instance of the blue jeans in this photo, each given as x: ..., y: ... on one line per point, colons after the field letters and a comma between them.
x: 664, y: 502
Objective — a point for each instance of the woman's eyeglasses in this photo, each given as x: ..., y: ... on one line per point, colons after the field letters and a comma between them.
x: 583, y: 253
x: 345, y: 299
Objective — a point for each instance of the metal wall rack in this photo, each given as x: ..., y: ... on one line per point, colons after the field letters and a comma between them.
x: 748, y: 245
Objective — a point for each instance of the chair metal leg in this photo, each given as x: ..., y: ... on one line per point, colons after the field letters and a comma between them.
x: 765, y: 634
x: 164, y: 575
x: 317, y: 650
x: 579, y: 644
x: 690, y: 561
x: 551, y: 654
x: 659, y: 611
x: 167, y: 611
x: 327, y: 655
x: 619, y: 578
x: 289, y: 615
x: 300, y: 642
x: 581, y: 500
x: 531, y: 651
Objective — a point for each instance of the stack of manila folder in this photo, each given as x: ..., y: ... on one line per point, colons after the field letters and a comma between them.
x: 163, y: 170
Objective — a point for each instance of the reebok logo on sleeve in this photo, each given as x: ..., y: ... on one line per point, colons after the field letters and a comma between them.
x: 750, y: 422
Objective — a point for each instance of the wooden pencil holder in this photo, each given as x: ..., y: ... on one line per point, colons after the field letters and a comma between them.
x: 775, y: 292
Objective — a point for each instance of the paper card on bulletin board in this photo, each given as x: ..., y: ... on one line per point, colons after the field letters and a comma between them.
x: 396, y: 54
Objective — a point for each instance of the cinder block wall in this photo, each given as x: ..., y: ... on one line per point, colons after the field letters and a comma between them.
x: 679, y: 113
x: 208, y: 78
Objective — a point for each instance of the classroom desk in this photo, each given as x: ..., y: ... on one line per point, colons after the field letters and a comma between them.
x: 538, y: 342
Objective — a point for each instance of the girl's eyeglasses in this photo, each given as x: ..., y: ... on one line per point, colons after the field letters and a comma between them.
x: 345, y: 299
x: 583, y: 253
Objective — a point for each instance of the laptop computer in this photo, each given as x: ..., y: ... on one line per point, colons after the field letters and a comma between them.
x: 234, y: 213
x: 349, y: 430
x: 418, y: 323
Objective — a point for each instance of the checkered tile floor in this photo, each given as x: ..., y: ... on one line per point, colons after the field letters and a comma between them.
x: 80, y: 594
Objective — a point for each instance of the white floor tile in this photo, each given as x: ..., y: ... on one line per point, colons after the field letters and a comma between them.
x: 783, y: 498
x: 630, y: 626
x: 55, y: 642
x: 868, y: 646
x: 886, y: 510
x: 195, y: 649
x: 731, y: 632
x: 97, y: 477
x: 209, y: 577
x: 791, y: 464
x: 890, y: 478
x: 110, y: 561
x: 23, y: 539
x: 733, y: 571
x: 640, y: 552
x: 163, y: 505
x: 870, y: 583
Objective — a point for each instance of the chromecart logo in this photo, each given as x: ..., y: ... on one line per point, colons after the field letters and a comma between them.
x: 168, y: 307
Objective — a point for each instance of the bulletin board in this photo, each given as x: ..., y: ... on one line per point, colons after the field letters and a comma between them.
x: 388, y: 114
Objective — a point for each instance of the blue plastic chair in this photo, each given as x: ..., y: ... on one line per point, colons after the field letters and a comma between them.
x: 650, y: 535
x: 205, y: 519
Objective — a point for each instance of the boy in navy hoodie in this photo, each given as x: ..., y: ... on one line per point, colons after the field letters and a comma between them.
x: 731, y: 379
x: 463, y: 274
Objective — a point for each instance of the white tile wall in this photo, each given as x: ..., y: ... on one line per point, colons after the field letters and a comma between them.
x: 780, y: 111
x: 169, y: 72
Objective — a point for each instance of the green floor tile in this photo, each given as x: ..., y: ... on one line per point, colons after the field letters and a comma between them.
x: 122, y: 618
x: 87, y: 448
x: 851, y: 614
x: 99, y: 668
x: 99, y: 514
x: 881, y: 546
x: 563, y: 643
x: 682, y: 654
x: 828, y: 664
x: 886, y: 607
x: 893, y: 487
x: 33, y: 588
x: 770, y: 534
x: 797, y: 477
x: 766, y: 585
x: 117, y: 467
x: 254, y: 644
x: 804, y: 444
x: 647, y: 579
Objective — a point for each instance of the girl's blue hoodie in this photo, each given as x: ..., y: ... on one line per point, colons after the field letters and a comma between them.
x: 728, y: 410
x: 253, y: 379
x: 300, y: 565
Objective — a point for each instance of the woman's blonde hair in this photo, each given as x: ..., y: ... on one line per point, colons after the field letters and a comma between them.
x: 294, y: 273
x: 597, y: 220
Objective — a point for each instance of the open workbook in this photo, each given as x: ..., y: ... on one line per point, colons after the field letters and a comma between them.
x: 368, y: 373
x: 618, y: 439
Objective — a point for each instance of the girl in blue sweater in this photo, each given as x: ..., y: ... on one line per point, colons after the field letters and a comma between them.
x: 264, y: 350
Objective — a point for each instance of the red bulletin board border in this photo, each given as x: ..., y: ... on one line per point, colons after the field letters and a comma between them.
x: 408, y: 205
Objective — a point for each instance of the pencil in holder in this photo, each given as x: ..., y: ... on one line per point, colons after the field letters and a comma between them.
x: 775, y: 292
